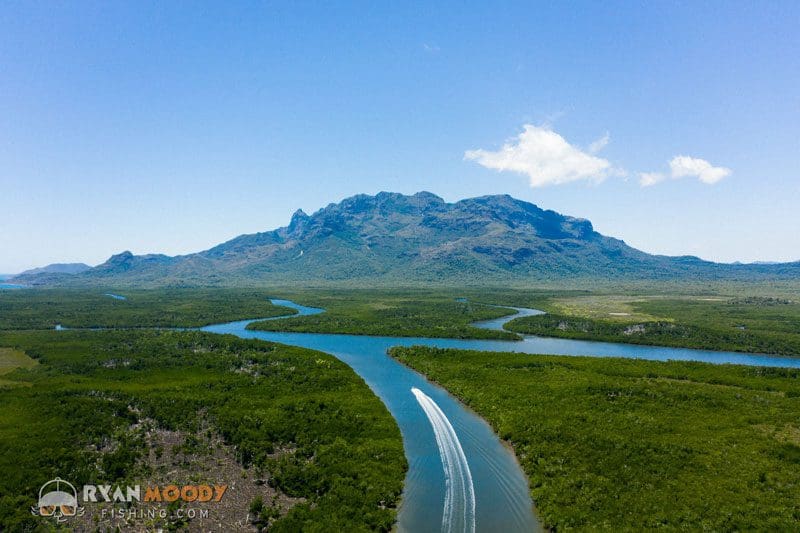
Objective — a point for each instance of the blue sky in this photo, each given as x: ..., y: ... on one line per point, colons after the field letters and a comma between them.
x: 170, y: 127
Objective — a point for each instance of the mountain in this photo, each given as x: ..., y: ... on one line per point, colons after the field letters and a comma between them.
x: 394, y: 238
x: 57, y: 268
x: 54, y: 274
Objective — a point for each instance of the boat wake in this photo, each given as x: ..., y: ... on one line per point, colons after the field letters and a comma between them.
x: 459, y: 499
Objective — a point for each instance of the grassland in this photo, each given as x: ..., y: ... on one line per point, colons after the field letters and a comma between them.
x: 301, y: 420
x: 10, y: 360
x: 629, y: 445
x: 93, y: 308
x: 762, y: 324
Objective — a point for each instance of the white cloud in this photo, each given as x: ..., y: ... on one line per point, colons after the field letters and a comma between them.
x: 546, y: 158
x: 646, y: 179
x: 599, y: 144
x: 682, y: 166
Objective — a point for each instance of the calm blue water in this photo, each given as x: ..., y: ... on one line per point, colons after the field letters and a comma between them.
x: 553, y: 346
x: 501, y: 490
x: 115, y: 296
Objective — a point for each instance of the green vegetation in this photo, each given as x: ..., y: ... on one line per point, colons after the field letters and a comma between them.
x: 300, y: 418
x: 10, y: 360
x: 748, y: 324
x: 628, y: 445
x: 89, y: 308
x: 607, y: 443
x: 398, y: 313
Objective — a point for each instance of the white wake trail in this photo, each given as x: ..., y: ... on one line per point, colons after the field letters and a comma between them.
x: 459, y: 499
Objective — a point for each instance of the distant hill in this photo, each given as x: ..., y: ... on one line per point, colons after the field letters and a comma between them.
x: 55, y: 274
x: 394, y: 238
x: 57, y: 268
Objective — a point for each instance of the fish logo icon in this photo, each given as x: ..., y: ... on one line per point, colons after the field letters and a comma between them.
x: 58, y: 499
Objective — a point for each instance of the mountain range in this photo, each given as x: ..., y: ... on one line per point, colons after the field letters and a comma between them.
x: 395, y: 238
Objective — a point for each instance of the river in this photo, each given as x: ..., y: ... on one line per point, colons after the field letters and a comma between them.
x: 460, y: 477
x: 479, y: 479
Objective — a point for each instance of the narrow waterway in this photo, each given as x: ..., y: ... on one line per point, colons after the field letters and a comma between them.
x: 460, y: 477
x: 437, y: 429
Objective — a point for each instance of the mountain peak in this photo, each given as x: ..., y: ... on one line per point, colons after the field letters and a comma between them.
x: 425, y: 195
x: 299, y: 218
x: 121, y: 257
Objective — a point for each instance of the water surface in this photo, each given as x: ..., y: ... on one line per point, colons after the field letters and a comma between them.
x: 501, y: 497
